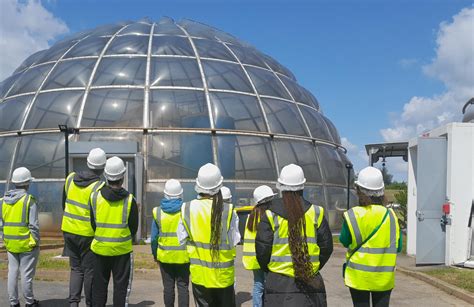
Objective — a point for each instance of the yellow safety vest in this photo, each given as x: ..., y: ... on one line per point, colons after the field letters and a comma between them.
x: 16, y: 233
x: 281, y: 261
x: 249, y: 257
x: 76, y: 217
x: 372, y: 267
x: 169, y: 250
x: 112, y: 234
x: 196, y: 217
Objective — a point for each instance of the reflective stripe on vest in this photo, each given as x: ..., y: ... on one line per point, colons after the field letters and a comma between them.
x: 169, y: 250
x: 281, y: 258
x: 16, y: 233
x: 112, y: 234
x: 372, y: 267
x: 249, y: 256
x: 206, y: 272
x: 76, y: 217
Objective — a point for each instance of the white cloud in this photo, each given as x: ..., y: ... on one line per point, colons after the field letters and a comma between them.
x: 25, y: 27
x: 357, y: 156
x: 454, y: 65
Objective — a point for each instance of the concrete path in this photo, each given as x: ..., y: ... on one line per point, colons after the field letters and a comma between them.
x: 148, y: 292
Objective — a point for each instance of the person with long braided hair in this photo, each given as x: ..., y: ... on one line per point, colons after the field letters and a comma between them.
x: 293, y: 243
x: 209, y: 228
x: 262, y: 199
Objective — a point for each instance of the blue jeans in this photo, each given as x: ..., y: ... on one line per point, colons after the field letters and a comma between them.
x: 258, y: 287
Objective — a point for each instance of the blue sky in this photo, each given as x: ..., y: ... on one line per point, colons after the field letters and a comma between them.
x: 363, y: 60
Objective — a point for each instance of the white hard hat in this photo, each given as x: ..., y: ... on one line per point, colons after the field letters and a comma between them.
x: 96, y: 159
x: 291, y: 178
x: 173, y: 189
x: 114, y: 169
x: 370, y: 180
x: 209, y: 179
x: 262, y: 193
x: 21, y: 175
x: 226, y: 194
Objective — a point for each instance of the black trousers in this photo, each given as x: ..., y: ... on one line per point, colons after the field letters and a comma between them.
x: 171, y: 274
x: 214, y: 297
x: 121, y: 269
x: 362, y: 298
x: 81, y: 261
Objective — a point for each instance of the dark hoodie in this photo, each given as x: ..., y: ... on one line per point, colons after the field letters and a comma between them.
x: 82, y: 179
x: 116, y: 194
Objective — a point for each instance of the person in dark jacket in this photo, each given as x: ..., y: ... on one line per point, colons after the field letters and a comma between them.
x: 114, y: 218
x: 76, y: 227
x: 293, y: 257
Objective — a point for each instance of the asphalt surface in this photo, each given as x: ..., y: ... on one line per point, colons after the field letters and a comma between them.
x: 147, y: 289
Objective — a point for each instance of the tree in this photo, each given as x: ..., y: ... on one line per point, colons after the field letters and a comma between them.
x: 402, y: 199
x: 387, y: 177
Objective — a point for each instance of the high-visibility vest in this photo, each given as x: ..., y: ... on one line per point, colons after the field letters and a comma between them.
x: 112, y: 235
x: 169, y: 250
x: 16, y: 233
x: 196, y: 217
x: 281, y: 260
x: 76, y: 217
x: 249, y: 257
x: 372, y: 267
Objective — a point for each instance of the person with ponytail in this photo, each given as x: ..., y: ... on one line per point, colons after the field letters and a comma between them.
x: 262, y: 199
x: 293, y: 243
x: 209, y: 228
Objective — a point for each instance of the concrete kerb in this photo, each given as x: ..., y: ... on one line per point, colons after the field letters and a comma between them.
x: 442, y: 285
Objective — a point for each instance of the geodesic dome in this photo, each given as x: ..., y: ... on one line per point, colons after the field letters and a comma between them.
x: 186, y: 93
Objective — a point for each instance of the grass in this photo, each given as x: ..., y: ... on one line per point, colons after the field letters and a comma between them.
x: 144, y: 261
x: 46, y: 261
x: 462, y: 278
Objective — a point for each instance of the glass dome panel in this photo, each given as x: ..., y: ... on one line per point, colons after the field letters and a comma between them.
x: 74, y: 73
x: 345, y: 160
x: 299, y: 93
x: 178, y: 108
x: 247, y: 56
x: 198, y: 29
x: 113, y: 108
x: 128, y: 44
x: 54, y: 108
x: 31, y: 80
x: 7, y: 144
x: 333, y: 167
x: 7, y: 84
x: 178, y: 155
x: 213, y: 50
x: 246, y: 157
x: 91, y: 46
x: 32, y: 59
x: 316, y: 124
x: 315, y: 195
x: 266, y: 83
x: 121, y: 71
x: 275, y: 66
x: 171, y: 45
x: 283, y: 117
x: 136, y: 28
x: 167, y: 27
x: 236, y: 111
x: 56, y: 52
x: 42, y: 154
x: 12, y: 112
x: 301, y: 153
x: 226, y: 76
x: 337, y: 198
x: 335, y: 135
x: 175, y: 72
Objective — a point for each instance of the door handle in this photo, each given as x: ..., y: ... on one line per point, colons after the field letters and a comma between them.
x: 420, y: 215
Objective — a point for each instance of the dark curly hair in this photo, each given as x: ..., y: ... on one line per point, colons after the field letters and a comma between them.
x: 216, y: 224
